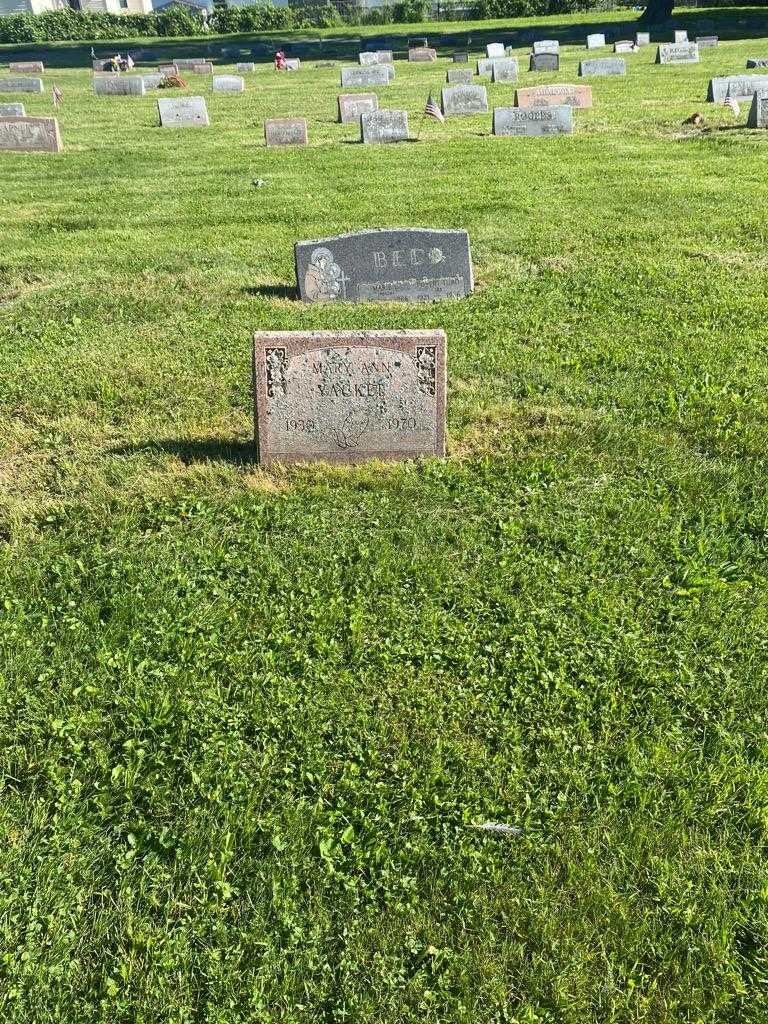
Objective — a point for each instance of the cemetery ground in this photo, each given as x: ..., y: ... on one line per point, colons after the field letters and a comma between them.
x: 248, y: 717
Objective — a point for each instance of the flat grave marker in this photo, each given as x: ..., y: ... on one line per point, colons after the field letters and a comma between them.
x: 12, y: 110
x: 30, y: 135
x: 348, y: 396
x: 383, y: 126
x: 286, y: 131
x: 388, y: 265
x: 757, y: 62
x: 533, y: 121
x: 183, y: 112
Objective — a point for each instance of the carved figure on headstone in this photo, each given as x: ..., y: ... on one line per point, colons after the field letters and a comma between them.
x: 324, y: 279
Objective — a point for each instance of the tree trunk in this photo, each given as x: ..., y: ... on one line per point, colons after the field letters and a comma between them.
x: 657, y: 11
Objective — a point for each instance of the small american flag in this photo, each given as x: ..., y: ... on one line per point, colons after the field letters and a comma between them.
x: 432, y: 110
x: 57, y: 96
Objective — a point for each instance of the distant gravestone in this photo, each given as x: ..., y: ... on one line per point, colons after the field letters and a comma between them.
x: 380, y: 126
x: 546, y: 46
x: 757, y: 62
x: 533, y: 120
x: 461, y: 58
x: 26, y: 67
x: 353, y: 104
x: 555, y: 96
x: 418, y: 42
x: 459, y: 75
x: 603, y: 66
x: 206, y: 68
x: 495, y: 50
x: 152, y: 81
x: 228, y: 83
x: 366, y: 58
x: 504, y: 70
x: 118, y: 86
x: 168, y: 69
x: 183, y: 112
x: 642, y: 38
x: 397, y: 265
x: 21, y: 85
x: 422, y: 54
x: 376, y: 74
x: 485, y: 67
x: 623, y: 46
x: 285, y: 131
x: 349, y: 396
x: 30, y: 134
x: 738, y: 87
x: 677, y: 53
x: 706, y: 42
x: 681, y: 35
x: 244, y: 67
x: 12, y: 110
x: 188, y: 62
x: 292, y: 64
x: 595, y: 41
x: 758, y: 112
x: 544, y: 62
x: 464, y: 99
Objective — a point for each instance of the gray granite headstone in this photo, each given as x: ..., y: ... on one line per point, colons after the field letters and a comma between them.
x: 30, y: 134
x: 758, y: 112
x: 642, y: 38
x: 243, y: 67
x: 595, y: 41
x: 376, y: 74
x: 152, y: 81
x: 559, y: 95
x: 206, y: 68
x: 188, y: 62
x: 167, y: 69
x: 384, y: 126
x: 122, y: 85
x: 504, y: 70
x: 738, y: 87
x: 183, y: 112
x: 390, y: 265
x: 228, y: 83
x: 21, y: 85
x: 461, y: 58
x: 12, y: 110
x: 493, y: 50
x: 546, y: 46
x: 464, y: 99
x: 422, y: 54
x: 26, y: 67
x: 485, y: 67
x: 623, y: 46
x: 681, y: 35
x: 353, y: 104
x: 677, y: 53
x: 285, y: 131
x: 757, y: 62
x: 706, y: 42
x: 459, y: 75
x: 603, y: 66
x: 533, y: 120
x: 348, y: 396
x: 544, y: 62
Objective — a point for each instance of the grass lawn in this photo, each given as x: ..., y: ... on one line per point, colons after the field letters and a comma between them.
x: 248, y: 717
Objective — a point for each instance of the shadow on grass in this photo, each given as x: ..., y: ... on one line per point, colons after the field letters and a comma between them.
x: 195, y: 449
x: 271, y: 291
